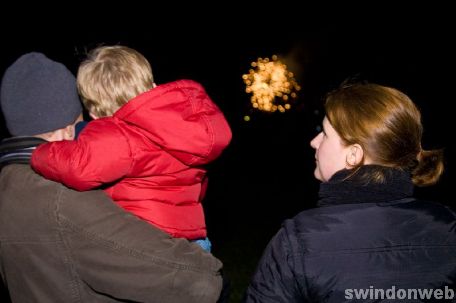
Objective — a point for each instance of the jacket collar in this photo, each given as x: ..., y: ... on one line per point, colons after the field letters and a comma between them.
x: 344, y: 188
x: 18, y: 150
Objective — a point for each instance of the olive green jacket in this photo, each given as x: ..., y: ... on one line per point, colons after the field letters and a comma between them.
x: 60, y: 245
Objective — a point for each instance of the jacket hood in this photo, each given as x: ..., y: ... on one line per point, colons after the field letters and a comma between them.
x: 182, y: 119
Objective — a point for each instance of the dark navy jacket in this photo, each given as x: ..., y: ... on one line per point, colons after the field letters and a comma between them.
x: 363, y: 239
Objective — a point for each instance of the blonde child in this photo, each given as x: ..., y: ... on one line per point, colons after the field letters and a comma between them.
x: 146, y: 145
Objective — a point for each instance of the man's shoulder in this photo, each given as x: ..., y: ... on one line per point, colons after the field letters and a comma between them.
x: 87, y: 212
x: 22, y: 178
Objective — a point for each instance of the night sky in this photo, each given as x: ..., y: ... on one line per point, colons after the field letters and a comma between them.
x: 266, y: 175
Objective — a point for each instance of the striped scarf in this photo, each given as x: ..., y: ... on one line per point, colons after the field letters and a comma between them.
x: 18, y: 150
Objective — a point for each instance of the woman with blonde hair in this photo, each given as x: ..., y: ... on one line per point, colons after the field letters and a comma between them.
x: 368, y: 238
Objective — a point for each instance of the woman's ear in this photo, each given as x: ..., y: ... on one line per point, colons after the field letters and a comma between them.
x: 355, y: 155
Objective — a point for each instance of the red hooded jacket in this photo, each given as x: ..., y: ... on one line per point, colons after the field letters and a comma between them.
x: 147, y: 156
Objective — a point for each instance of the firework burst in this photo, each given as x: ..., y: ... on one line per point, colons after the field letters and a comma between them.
x: 272, y: 86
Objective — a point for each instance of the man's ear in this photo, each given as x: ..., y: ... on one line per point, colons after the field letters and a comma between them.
x: 93, y: 116
x: 355, y: 155
x: 69, y: 132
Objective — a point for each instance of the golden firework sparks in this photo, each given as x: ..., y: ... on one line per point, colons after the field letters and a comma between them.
x: 272, y: 86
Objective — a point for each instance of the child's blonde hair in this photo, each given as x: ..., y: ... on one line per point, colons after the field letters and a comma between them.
x: 110, y: 77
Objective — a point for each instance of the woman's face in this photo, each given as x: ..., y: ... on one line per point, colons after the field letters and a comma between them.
x: 330, y: 153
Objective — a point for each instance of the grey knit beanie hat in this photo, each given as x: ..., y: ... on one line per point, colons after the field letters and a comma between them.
x: 38, y: 95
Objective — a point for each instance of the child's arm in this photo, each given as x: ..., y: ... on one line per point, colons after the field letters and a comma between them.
x: 100, y: 155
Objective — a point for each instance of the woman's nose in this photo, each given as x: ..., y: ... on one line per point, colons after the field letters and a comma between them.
x: 316, y: 141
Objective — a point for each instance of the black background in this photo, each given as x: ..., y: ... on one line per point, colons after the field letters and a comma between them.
x: 266, y: 175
